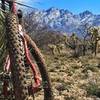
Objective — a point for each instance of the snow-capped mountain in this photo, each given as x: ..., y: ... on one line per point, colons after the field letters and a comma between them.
x: 62, y: 20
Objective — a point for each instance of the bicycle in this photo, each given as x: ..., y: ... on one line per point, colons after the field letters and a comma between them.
x: 19, y: 61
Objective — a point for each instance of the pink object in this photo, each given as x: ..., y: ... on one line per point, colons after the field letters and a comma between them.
x: 14, y: 8
x: 36, y: 76
x: 7, y: 64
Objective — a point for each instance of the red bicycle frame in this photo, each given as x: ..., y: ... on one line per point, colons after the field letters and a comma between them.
x: 35, y: 87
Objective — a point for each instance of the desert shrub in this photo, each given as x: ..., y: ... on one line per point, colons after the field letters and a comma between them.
x: 70, y: 71
x: 93, y: 89
x: 89, y: 67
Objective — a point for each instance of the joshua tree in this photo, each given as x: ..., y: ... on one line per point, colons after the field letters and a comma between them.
x: 73, y: 40
x: 65, y: 39
x: 94, y: 34
x: 84, y: 34
x: 74, y: 43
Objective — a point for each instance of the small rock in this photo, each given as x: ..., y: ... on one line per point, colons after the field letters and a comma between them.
x: 60, y: 87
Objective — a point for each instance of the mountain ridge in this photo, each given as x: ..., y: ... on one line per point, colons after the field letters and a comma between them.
x: 62, y: 19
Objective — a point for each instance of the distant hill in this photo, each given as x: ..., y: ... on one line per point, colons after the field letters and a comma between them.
x: 45, y: 37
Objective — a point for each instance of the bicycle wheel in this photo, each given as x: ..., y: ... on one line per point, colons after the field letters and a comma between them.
x: 17, y: 54
x: 36, y: 54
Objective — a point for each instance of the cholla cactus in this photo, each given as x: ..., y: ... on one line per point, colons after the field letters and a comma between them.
x: 56, y: 49
x: 60, y: 47
x: 53, y: 48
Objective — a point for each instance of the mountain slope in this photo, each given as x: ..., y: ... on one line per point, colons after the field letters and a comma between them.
x: 61, y: 20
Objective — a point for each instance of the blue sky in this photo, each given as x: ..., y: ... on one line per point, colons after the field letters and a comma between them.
x: 75, y: 6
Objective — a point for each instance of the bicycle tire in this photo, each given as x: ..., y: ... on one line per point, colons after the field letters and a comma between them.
x: 16, y: 51
x: 17, y: 54
x: 48, y: 93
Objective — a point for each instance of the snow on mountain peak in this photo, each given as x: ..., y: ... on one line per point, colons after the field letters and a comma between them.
x: 63, y: 20
x: 85, y: 14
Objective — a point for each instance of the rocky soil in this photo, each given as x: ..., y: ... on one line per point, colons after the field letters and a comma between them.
x: 74, y: 78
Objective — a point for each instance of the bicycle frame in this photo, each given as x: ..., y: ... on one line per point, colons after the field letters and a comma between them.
x: 35, y: 87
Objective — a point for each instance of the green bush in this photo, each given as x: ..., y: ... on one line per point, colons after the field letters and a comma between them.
x: 93, y: 89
